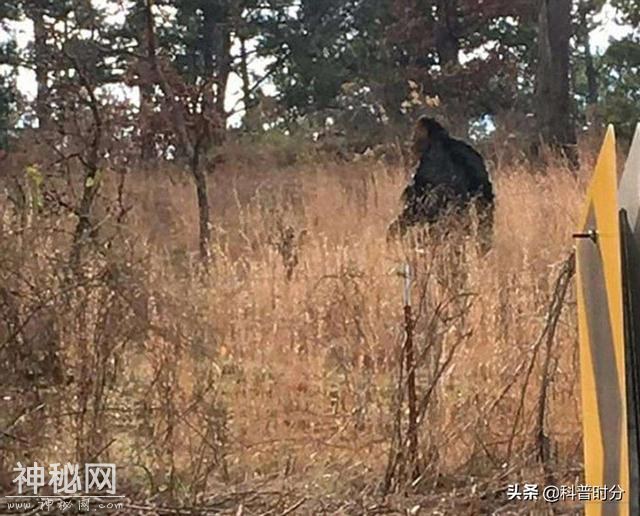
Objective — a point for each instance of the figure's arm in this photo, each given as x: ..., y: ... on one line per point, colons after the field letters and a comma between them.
x: 420, y: 177
x: 473, y: 163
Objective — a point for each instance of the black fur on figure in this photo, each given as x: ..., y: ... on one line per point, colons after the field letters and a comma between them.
x: 450, y: 177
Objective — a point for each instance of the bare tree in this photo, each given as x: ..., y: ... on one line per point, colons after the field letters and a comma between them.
x: 91, y: 163
x: 193, y: 129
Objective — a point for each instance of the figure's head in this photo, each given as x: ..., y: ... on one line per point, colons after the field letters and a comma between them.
x: 427, y: 131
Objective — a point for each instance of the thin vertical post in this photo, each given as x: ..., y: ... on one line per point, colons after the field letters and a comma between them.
x: 412, y: 429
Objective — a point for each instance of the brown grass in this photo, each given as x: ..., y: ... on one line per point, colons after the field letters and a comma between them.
x: 250, y: 379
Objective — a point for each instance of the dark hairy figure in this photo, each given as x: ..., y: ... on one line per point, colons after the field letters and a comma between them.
x: 450, y: 177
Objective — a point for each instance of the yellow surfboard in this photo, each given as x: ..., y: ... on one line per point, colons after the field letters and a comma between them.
x: 602, y: 351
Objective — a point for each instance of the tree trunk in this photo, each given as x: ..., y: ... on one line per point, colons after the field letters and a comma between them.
x: 191, y: 146
x: 200, y: 180
x: 583, y: 36
x: 209, y: 31
x: 250, y: 119
x: 216, y: 50
x: 91, y: 182
x: 592, y: 75
x: 147, y: 135
x: 224, y: 70
x: 553, y: 95
x: 447, y: 43
x: 40, y: 44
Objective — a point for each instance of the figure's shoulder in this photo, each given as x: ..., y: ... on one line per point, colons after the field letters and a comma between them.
x: 462, y: 152
x: 461, y: 147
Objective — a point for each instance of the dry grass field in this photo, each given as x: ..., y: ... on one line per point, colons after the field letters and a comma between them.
x: 270, y: 384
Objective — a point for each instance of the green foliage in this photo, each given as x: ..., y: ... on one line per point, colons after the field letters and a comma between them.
x: 315, y: 51
x: 9, y: 53
x: 7, y: 109
x: 347, y: 61
x: 379, y: 45
x: 620, y: 73
x: 629, y: 11
x: 196, y: 38
x: 585, y: 65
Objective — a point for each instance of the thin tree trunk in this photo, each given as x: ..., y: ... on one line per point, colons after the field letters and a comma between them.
x: 590, y: 68
x: 447, y: 43
x: 592, y: 75
x: 584, y: 39
x: 249, y: 115
x: 216, y: 37
x: 224, y: 70
x: 553, y: 95
x: 147, y: 136
x: 180, y: 125
x: 91, y: 165
x: 145, y: 114
x: 208, y: 34
x: 202, y: 194
x: 40, y: 44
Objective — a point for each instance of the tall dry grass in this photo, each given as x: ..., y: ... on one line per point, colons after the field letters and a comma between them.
x: 278, y: 369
